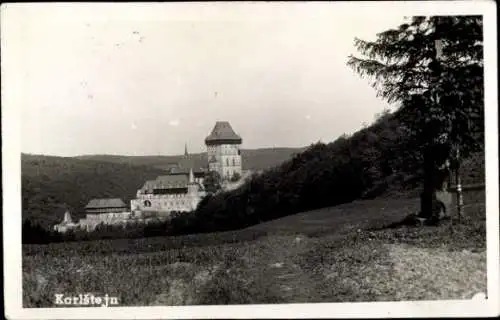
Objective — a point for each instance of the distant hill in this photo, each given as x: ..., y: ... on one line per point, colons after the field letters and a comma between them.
x: 253, y: 159
x: 50, y: 184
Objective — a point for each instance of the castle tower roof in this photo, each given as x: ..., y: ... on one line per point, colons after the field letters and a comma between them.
x: 223, y: 133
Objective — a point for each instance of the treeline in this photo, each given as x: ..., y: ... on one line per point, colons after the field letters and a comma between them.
x: 379, y: 160
x: 35, y: 233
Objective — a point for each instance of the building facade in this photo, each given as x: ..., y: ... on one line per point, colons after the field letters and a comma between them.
x: 91, y: 221
x: 177, y: 192
x: 223, y: 150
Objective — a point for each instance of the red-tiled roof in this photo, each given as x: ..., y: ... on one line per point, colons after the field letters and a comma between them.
x: 106, y: 203
x: 223, y: 133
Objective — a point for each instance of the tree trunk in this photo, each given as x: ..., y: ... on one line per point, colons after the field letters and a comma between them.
x: 426, y: 196
x: 435, y: 201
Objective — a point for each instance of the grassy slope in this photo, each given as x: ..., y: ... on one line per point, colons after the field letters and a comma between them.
x: 351, y: 252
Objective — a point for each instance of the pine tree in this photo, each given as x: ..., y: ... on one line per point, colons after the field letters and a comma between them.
x: 432, y: 67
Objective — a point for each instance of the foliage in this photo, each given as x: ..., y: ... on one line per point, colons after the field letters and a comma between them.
x: 49, y: 183
x: 35, y: 233
x: 402, y: 68
x: 212, y: 182
x: 433, y: 67
x: 236, y: 177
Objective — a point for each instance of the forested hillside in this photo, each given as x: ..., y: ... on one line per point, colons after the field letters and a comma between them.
x: 380, y: 160
x: 49, y: 183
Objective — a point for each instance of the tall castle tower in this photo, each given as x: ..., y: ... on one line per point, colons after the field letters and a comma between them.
x: 223, y: 149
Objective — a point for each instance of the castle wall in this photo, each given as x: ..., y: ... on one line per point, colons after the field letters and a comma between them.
x: 168, y: 202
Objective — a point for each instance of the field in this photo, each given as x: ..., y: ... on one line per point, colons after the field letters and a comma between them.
x: 351, y: 252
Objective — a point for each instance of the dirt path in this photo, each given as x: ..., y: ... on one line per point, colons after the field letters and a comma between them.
x: 282, y: 270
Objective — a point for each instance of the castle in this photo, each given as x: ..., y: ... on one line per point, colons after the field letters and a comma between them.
x: 181, y: 191
x: 169, y: 193
x: 178, y: 191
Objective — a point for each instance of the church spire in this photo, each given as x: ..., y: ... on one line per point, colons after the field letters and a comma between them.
x: 67, y: 217
x: 186, y: 150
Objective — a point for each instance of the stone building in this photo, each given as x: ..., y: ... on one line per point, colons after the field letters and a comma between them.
x: 91, y: 221
x: 104, y: 211
x: 223, y: 149
x: 175, y: 192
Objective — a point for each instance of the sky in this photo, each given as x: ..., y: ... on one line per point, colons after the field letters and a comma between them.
x: 147, y: 79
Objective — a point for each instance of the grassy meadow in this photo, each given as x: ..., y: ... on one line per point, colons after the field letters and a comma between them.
x: 351, y: 252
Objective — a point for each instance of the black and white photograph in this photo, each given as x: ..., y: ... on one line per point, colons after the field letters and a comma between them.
x: 250, y: 159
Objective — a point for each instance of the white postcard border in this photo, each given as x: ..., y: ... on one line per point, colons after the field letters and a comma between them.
x: 11, y: 183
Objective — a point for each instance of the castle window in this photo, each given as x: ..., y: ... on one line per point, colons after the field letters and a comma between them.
x: 147, y: 203
x: 227, y: 162
x: 234, y: 162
